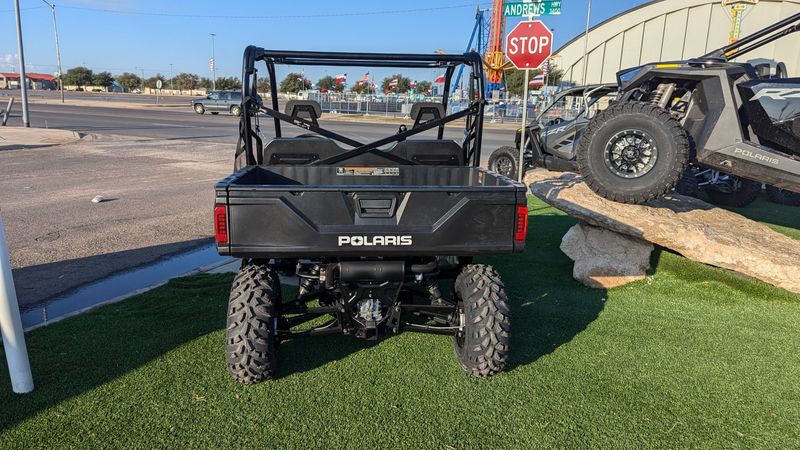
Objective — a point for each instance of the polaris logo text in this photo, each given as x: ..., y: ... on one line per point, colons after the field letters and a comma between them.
x: 371, y: 241
x: 758, y: 156
x: 778, y: 94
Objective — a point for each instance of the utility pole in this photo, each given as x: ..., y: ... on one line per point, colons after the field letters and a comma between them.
x: 142, y: 81
x: 213, y: 64
x: 171, y: 78
x: 23, y: 78
x: 58, y: 49
x: 586, y: 43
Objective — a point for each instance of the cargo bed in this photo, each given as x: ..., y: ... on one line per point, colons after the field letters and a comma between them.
x: 315, y: 211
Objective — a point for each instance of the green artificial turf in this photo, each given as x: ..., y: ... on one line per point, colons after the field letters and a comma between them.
x: 691, y: 357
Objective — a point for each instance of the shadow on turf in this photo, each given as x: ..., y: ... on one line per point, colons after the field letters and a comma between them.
x: 77, y: 355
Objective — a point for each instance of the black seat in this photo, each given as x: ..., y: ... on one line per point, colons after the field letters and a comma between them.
x: 430, y: 152
x: 304, y: 109
x: 422, y: 112
x: 299, y: 150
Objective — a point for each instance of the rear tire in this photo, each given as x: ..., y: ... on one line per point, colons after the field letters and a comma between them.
x: 782, y: 196
x: 482, y: 346
x: 633, y: 152
x: 236, y: 110
x: 505, y: 161
x: 745, y: 193
x: 250, y: 334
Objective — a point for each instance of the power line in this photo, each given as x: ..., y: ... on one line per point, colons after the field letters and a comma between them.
x: 278, y: 17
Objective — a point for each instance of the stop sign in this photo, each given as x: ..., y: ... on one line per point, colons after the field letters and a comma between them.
x: 529, y: 44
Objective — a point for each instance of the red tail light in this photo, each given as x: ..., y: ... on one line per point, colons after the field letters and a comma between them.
x: 221, y: 224
x: 521, y: 230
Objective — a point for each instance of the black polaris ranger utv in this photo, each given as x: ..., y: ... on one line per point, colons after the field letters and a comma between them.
x: 709, y: 112
x: 379, y: 236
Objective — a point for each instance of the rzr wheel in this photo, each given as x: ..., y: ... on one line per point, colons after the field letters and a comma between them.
x: 782, y: 196
x: 633, y: 152
x: 482, y: 346
x: 736, y: 192
x: 505, y: 161
x: 250, y: 335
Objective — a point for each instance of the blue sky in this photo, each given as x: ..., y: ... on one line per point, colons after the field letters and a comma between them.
x: 126, y: 40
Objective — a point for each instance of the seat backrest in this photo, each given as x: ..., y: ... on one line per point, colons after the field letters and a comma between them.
x: 304, y: 109
x: 299, y: 150
x: 426, y: 111
x: 431, y: 152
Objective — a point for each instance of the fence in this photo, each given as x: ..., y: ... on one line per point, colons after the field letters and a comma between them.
x: 503, y: 111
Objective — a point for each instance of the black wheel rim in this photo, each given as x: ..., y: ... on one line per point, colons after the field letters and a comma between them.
x: 503, y: 165
x: 631, y: 153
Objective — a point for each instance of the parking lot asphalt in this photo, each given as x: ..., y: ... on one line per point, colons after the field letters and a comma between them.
x: 155, y: 166
x: 181, y: 123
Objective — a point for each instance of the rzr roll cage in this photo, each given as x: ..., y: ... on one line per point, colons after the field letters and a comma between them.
x: 756, y: 40
x: 251, y: 144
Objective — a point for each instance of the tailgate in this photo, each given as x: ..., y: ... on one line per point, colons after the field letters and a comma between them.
x: 301, y: 220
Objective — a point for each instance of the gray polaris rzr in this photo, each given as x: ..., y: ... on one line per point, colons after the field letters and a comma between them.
x: 551, y: 137
x: 709, y: 114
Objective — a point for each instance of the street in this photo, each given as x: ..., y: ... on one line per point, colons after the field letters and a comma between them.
x: 181, y: 123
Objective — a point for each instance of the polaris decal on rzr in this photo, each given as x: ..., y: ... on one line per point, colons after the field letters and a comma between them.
x: 778, y: 93
x: 758, y: 156
x: 369, y: 241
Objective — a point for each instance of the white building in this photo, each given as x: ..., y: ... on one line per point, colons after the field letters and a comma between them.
x: 664, y: 30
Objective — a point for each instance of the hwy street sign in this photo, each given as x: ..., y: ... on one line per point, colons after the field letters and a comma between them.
x: 158, y: 84
x: 529, y: 44
x: 532, y: 9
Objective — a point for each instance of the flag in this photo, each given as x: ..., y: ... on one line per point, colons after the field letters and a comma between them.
x: 439, y: 79
x: 412, y: 85
x: 546, y: 68
x: 341, y: 78
x: 363, y: 79
x: 302, y: 75
x: 394, y: 83
x: 538, y: 80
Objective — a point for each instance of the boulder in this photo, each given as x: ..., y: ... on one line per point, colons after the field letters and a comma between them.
x: 691, y: 227
x: 605, y: 259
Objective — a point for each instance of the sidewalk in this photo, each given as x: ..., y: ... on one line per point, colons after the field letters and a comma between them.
x: 15, y: 138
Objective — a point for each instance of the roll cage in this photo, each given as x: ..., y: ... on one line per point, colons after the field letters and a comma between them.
x: 250, y: 143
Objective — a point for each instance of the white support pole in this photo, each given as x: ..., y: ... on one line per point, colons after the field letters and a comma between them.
x: 522, y: 143
x: 19, y: 367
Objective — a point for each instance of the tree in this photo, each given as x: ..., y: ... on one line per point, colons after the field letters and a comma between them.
x: 128, y: 81
x: 228, y: 83
x: 263, y: 86
x: 361, y: 88
x: 402, y: 83
x: 151, y: 82
x: 78, y: 76
x: 329, y: 84
x: 103, y: 79
x: 424, y: 87
x: 187, y: 81
x: 516, y: 78
x: 205, y: 83
x: 293, y: 83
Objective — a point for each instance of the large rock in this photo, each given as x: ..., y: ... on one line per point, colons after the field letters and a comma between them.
x: 691, y: 227
x: 605, y: 259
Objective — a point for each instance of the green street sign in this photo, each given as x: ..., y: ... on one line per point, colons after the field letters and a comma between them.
x: 535, y: 9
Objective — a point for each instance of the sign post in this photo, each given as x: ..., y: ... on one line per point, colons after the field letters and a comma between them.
x: 158, y: 89
x: 528, y: 45
x: 19, y: 367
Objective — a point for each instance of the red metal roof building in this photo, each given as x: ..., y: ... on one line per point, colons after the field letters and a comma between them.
x: 9, y: 80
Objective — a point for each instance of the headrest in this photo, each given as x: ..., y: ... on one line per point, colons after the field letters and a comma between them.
x: 304, y: 109
x: 426, y: 111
